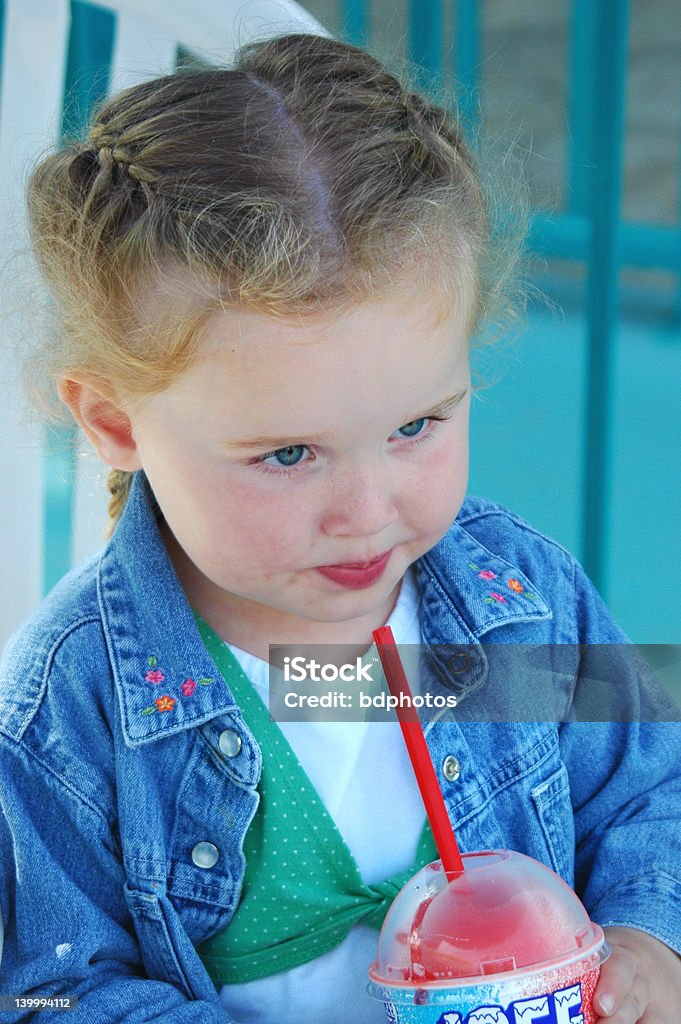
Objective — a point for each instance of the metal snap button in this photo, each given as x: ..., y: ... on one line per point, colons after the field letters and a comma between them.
x: 229, y: 742
x: 459, y: 662
x: 451, y: 768
x: 205, y: 855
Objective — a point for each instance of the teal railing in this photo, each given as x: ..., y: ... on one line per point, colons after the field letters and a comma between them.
x: 590, y: 228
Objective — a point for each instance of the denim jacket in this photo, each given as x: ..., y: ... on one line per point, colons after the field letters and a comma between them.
x: 107, y: 885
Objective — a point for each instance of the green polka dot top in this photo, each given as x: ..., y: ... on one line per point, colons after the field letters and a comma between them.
x: 302, y: 891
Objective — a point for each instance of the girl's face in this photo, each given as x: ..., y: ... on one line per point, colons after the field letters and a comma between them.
x: 303, y: 465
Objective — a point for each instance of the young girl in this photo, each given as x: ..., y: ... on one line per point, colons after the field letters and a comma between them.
x: 267, y: 279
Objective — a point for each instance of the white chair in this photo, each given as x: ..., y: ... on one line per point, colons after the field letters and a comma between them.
x: 35, y: 40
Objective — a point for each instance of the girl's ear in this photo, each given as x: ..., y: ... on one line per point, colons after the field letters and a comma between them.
x: 107, y: 427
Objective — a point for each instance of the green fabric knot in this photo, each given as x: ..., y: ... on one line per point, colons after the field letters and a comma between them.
x: 382, y: 894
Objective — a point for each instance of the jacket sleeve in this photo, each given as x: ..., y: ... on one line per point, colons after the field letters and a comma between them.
x: 623, y: 753
x: 67, y: 927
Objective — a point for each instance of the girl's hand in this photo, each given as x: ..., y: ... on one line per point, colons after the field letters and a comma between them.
x: 641, y: 981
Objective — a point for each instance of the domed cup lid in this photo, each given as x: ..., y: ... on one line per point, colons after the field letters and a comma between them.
x: 505, y: 914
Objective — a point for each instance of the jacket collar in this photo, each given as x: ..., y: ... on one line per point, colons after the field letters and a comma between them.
x: 468, y: 590
x: 165, y: 679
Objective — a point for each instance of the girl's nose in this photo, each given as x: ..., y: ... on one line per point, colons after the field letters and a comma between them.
x: 361, y: 503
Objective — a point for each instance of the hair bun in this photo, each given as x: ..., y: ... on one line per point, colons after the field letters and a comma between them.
x: 84, y: 169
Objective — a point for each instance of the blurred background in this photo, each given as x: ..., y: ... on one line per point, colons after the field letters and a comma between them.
x: 578, y: 428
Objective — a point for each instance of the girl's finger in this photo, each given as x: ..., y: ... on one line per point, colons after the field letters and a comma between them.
x: 630, y: 1010
x: 616, y: 980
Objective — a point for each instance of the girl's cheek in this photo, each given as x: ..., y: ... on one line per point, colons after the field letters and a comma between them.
x: 444, y: 481
x: 447, y: 465
x: 273, y: 520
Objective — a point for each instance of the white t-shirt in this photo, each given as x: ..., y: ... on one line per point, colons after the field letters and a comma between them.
x: 362, y: 773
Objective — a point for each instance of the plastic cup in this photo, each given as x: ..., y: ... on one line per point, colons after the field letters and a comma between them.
x: 504, y: 942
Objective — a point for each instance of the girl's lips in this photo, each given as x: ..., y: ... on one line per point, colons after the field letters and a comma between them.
x: 356, y: 575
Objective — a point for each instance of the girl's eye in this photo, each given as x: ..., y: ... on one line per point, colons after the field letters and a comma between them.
x: 285, y: 457
x: 412, y: 429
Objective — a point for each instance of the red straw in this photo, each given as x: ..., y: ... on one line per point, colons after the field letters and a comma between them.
x: 419, y: 755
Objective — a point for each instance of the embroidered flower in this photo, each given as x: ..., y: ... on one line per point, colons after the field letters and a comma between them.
x: 487, y: 574
x: 165, y: 703
x: 188, y: 687
x: 154, y: 675
x: 498, y: 597
x: 516, y: 585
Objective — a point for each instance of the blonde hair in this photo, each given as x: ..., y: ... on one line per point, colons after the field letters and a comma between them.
x: 305, y: 177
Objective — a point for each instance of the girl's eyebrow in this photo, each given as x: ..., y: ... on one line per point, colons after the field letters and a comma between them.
x: 272, y: 443
x: 443, y: 407
x: 266, y: 442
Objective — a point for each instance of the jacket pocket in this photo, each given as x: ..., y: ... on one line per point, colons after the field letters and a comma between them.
x: 552, y: 803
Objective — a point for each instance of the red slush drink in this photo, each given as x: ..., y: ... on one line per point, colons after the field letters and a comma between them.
x: 506, y: 941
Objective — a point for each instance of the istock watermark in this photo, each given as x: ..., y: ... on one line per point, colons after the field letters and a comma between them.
x: 480, y: 682
x: 300, y: 669
x: 333, y: 682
